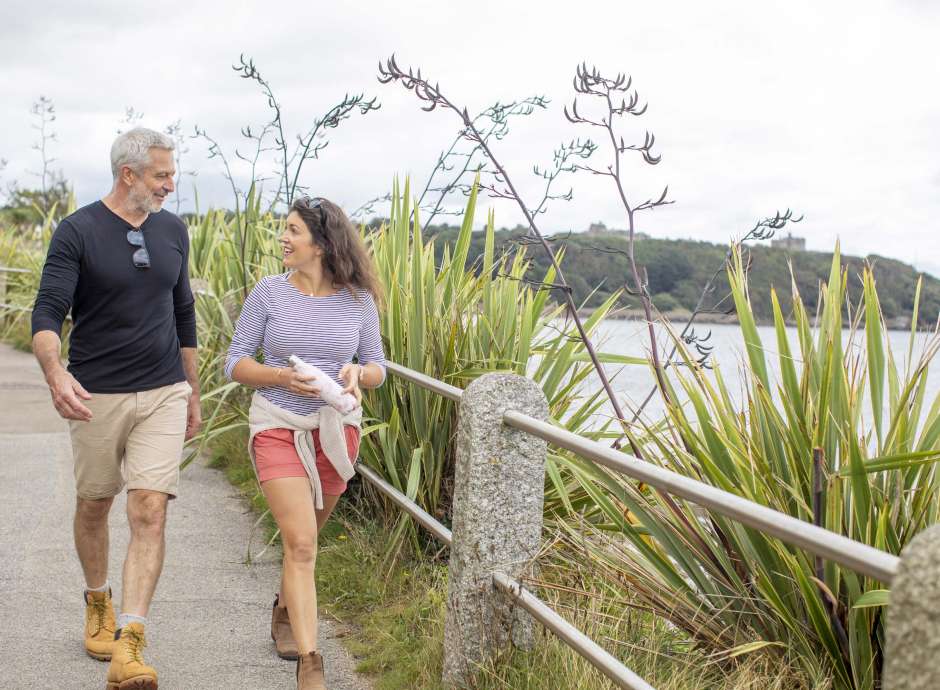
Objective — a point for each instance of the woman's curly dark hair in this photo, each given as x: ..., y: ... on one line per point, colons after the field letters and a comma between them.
x: 344, y: 253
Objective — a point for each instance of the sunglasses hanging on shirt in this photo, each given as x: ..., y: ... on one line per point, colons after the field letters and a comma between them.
x: 141, y: 257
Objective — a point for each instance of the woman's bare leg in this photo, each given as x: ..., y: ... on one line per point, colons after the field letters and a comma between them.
x: 291, y: 504
x: 329, y: 503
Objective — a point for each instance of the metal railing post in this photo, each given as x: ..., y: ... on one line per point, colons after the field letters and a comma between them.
x: 913, y: 627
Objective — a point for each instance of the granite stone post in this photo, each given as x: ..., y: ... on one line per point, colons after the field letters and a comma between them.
x: 497, y: 520
x: 913, y: 646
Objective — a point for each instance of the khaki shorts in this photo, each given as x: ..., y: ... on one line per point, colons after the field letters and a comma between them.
x: 134, y: 439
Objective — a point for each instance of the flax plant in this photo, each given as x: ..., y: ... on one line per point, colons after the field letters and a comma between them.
x: 228, y: 254
x: 24, y: 249
x: 842, y: 395
x: 454, y: 322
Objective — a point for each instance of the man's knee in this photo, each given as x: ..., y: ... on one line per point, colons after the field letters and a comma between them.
x: 146, y: 511
x: 92, y: 511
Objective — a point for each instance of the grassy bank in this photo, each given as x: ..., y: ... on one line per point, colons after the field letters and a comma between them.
x: 393, y: 610
x: 396, y: 618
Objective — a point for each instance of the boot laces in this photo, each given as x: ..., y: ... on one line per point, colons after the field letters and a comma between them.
x: 99, y: 608
x: 134, y: 643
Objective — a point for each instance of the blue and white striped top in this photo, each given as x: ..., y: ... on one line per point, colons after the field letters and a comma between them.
x: 324, y: 331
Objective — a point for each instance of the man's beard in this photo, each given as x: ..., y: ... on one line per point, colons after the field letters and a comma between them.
x: 143, y: 201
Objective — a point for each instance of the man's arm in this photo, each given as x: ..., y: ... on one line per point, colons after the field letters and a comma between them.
x: 184, y: 312
x: 67, y: 393
x: 191, y: 369
x: 53, y: 301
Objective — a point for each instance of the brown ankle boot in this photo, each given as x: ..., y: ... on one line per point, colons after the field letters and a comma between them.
x: 99, y: 625
x: 310, y: 672
x: 281, y: 632
x: 128, y: 670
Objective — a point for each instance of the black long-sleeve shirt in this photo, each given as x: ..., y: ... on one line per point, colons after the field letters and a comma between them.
x: 128, y: 323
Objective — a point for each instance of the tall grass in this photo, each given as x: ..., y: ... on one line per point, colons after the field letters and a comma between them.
x: 23, y: 248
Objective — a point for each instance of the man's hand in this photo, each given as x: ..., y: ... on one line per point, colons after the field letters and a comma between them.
x: 193, y: 416
x: 67, y: 393
x: 67, y: 396
x: 351, y: 373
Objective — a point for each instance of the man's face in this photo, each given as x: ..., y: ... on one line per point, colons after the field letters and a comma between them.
x: 150, y: 187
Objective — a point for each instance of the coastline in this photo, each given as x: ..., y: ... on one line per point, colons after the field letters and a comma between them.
x: 680, y: 316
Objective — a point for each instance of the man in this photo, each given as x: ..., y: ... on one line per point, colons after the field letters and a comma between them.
x: 131, y: 390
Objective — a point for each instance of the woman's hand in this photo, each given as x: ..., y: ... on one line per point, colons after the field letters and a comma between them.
x: 351, y: 373
x: 297, y: 383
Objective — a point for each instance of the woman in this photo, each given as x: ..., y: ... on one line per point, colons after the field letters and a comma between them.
x: 324, y: 310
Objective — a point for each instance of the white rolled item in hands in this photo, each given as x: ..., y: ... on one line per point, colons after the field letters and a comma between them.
x: 331, y: 392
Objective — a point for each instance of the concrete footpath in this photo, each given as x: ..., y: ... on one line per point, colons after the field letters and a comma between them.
x: 210, y: 620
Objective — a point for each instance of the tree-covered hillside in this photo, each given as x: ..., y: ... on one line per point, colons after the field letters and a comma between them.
x: 678, y: 269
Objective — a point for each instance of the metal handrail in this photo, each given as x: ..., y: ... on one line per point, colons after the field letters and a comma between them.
x: 821, y: 542
x: 14, y: 307
x: 599, y: 657
x: 818, y: 541
x: 406, y: 504
x: 425, y: 381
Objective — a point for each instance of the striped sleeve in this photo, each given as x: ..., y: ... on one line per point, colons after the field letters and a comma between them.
x: 370, y: 338
x: 249, y: 330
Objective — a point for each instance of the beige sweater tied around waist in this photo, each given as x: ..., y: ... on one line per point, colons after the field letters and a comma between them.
x: 264, y: 415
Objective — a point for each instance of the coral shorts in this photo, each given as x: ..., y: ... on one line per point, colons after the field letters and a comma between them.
x: 276, y: 458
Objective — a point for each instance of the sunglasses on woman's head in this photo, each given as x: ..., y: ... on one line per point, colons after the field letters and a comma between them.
x: 141, y: 257
x: 311, y: 203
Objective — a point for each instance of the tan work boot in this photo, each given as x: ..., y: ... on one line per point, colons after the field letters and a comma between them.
x: 310, y: 672
x: 99, y: 625
x: 128, y: 670
x: 281, y: 632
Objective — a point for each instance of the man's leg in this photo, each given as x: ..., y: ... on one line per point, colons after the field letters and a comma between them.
x: 91, y: 539
x: 98, y: 447
x: 151, y: 464
x: 91, y: 543
x: 146, y: 515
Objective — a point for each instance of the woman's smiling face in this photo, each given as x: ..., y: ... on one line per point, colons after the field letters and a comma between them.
x: 297, y: 243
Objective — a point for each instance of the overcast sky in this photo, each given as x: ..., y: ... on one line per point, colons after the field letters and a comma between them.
x: 829, y: 108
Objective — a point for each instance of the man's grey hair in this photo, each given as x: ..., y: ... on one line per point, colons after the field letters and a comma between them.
x: 132, y: 148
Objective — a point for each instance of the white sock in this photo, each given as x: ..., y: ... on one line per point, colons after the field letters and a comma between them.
x: 128, y: 618
x: 102, y: 588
